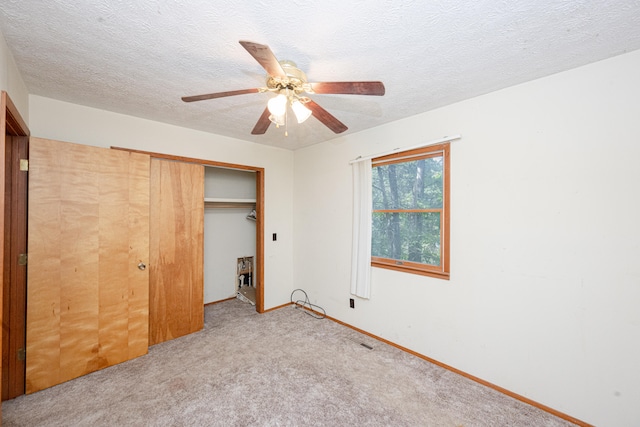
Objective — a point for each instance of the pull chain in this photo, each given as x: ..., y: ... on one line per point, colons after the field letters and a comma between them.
x: 286, y: 123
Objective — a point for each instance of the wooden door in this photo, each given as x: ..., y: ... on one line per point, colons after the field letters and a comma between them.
x: 88, y: 300
x: 15, y: 267
x: 13, y: 145
x: 176, y: 281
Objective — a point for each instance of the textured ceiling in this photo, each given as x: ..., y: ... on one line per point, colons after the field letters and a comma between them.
x: 140, y: 57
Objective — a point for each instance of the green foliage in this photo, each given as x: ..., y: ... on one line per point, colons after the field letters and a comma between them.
x: 408, y: 236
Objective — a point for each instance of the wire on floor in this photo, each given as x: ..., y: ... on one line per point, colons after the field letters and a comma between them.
x: 312, y: 310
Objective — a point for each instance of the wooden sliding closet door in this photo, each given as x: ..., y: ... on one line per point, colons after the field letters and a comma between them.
x: 88, y: 290
x: 176, y: 282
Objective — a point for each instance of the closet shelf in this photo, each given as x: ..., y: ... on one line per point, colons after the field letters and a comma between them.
x: 217, y: 202
x: 228, y: 200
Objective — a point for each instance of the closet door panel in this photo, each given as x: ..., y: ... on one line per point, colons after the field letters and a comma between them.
x: 177, y: 242
x: 43, y: 306
x: 85, y: 305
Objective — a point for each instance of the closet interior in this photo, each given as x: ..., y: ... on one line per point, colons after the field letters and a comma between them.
x: 229, y: 234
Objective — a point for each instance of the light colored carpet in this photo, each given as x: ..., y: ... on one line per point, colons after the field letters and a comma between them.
x: 282, y: 368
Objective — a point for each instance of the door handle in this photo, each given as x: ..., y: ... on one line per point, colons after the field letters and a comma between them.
x: 142, y: 266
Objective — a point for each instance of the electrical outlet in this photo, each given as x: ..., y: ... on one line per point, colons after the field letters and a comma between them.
x: 352, y: 303
x: 275, y: 237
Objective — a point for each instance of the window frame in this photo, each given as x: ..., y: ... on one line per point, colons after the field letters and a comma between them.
x: 443, y: 270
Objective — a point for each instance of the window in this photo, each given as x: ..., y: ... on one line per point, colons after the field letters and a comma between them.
x: 410, y: 217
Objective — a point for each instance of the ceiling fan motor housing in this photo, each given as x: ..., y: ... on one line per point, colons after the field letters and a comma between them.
x: 295, y: 79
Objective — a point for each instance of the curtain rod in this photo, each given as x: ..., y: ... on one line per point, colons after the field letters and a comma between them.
x: 395, y: 150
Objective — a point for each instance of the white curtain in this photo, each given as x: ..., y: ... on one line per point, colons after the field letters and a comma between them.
x: 361, y: 244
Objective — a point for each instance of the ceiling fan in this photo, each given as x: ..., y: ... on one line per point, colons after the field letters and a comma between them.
x: 290, y: 84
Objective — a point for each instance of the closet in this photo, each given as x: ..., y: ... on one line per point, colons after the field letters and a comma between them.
x: 229, y: 234
x: 233, y: 225
x: 116, y: 253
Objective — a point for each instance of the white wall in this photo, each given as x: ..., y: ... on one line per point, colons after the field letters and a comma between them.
x: 11, y: 81
x: 544, y: 296
x: 63, y: 121
x: 229, y: 235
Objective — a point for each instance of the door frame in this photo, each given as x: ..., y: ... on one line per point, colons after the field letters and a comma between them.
x: 12, y: 125
x: 259, y: 273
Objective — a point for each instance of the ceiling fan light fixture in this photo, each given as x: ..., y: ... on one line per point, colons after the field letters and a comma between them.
x: 277, y: 120
x: 302, y: 113
x: 277, y: 105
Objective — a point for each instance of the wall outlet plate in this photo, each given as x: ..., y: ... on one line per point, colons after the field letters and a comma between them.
x: 352, y: 303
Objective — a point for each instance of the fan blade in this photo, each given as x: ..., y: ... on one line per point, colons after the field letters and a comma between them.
x: 352, y: 88
x: 265, y: 57
x: 325, y: 117
x: 218, y: 95
x: 263, y: 123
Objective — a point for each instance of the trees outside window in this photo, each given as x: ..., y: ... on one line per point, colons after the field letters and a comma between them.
x: 410, y: 217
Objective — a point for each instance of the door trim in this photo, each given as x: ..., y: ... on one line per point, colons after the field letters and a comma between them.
x: 12, y: 125
x: 259, y: 274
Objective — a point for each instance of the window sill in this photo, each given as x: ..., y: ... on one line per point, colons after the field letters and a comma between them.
x: 410, y: 270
